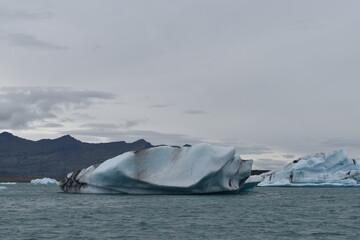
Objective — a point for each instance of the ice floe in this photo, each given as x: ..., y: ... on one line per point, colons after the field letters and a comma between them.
x: 44, y: 181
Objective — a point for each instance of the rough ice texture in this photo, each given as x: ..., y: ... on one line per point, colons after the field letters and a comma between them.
x: 201, y: 168
x: 44, y: 181
x: 334, y: 169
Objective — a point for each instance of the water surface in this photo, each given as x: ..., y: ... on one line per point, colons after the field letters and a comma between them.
x: 43, y: 212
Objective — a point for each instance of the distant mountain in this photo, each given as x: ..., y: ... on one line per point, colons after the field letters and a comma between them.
x: 22, y: 159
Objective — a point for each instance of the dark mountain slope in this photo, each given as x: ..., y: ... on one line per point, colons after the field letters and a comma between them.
x: 24, y: 159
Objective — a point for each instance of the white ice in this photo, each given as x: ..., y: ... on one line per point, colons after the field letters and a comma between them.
x: 201, y: 168
x: 334, y: 169
x: 7, y: 183
x: 44, y: 181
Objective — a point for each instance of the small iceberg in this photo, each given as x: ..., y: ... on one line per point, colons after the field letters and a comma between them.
x: 198, y: 169
x: 319, y: 170
x: 44, y: 181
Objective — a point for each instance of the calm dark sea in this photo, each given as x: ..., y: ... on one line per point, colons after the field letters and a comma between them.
x: 43, y: 212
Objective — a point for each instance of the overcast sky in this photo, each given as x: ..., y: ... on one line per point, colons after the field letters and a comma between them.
x: 275, y: 79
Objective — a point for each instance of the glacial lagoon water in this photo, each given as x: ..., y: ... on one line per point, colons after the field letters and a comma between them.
x: 43, y: 212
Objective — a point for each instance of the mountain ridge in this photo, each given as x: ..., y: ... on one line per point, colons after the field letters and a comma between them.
x: 25, y: 159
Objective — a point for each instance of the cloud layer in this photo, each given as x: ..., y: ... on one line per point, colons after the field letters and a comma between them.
x: 277, y: 78
x: 15, y: 15
x: 29, y: 41
x: 20, y: 107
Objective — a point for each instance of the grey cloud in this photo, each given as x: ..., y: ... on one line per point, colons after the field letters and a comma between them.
x: 125, y: 124
x: 81, y: 116
x: 66, y: 119
x: 289, y: 156
x: 242, y: 147
x: 51, y: 125
x: 161, y: 105
x: 7, y: 15
x: 195, y: 112
x: 100, y: 126
x: 20, y: 107
x: 29, y: 41
x: 133, y: 123
x: 252, y: 149
x: 98, y: 47
x: 339, y: 142
x: 268, y: 164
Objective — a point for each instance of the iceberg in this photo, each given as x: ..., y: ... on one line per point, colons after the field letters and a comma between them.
x: 334, y: 169
x: 198, y: 169
x: 44, y: 181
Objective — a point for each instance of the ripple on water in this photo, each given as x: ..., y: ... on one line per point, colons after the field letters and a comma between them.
x: 41, y: 212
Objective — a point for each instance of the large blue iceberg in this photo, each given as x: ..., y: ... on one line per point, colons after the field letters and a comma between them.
x: 199, y: 169
x: 334, y: 169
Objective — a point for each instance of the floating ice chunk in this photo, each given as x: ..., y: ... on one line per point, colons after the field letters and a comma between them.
x: 321, y: 169
x: 44, y: 181
x: 7, y: 183
x: 201, y: 168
